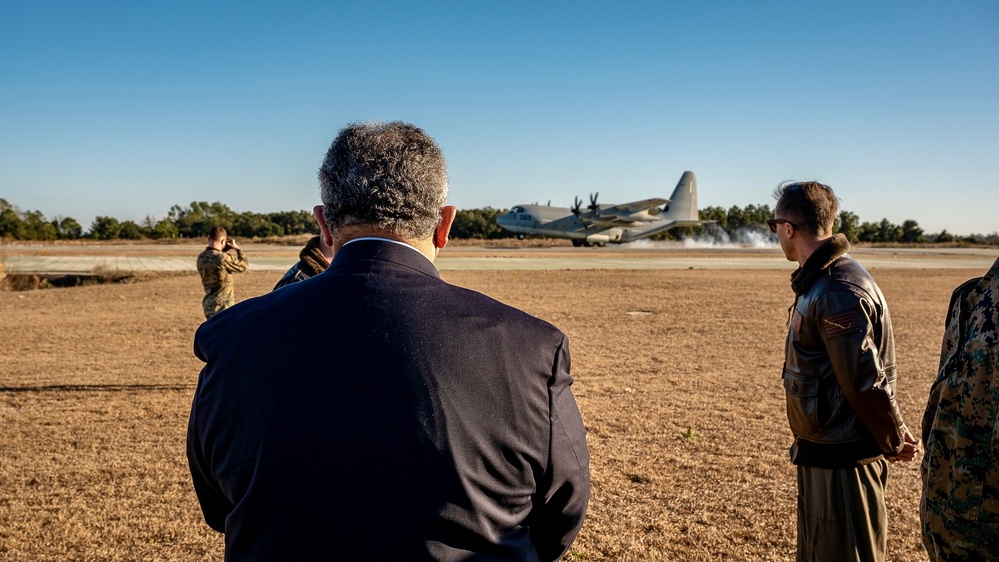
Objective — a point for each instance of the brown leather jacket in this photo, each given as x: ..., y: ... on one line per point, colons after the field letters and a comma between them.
x: 839, y: 369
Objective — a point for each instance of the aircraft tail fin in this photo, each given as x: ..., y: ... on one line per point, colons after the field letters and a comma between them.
x: 683, y: 202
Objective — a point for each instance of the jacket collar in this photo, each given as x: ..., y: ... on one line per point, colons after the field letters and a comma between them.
x: 383, y: 250
x: 805, y: 276
x: 312, y: 259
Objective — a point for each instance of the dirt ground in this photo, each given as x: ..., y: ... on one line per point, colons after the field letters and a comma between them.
x: 677, y: 376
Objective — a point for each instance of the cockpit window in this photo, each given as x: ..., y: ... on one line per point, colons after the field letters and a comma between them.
x: 517, y: 210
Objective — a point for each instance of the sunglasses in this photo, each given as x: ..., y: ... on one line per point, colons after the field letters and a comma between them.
x: 772, y: 223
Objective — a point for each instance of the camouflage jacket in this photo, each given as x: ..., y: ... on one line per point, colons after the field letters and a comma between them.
x: 216, y: 268
x: 960, y: 468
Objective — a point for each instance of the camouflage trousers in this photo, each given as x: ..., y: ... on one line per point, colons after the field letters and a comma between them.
x: 215, y: 304
x: 841, y: 513
x: 947, y: 538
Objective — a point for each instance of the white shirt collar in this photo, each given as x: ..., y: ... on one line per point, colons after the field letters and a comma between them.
x: 380, y: 239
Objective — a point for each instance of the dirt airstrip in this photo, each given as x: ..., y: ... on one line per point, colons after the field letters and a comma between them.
x: 677, y: 375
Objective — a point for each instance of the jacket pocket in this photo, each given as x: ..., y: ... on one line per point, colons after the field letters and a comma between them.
x: 802, y: 405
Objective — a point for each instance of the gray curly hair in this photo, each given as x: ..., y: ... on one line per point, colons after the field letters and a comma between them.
x: 390, y: 176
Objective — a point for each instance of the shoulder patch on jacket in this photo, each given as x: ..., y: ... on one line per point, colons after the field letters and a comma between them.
x: 840, y: 323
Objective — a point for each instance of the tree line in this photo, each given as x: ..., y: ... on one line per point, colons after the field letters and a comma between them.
x: 755, y: 217
x: 197, y: 218
x: 192, y: 221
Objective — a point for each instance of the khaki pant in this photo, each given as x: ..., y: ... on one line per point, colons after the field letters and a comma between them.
x: 841, y: 513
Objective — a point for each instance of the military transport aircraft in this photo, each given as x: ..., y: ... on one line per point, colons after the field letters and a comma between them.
x: 599, y: 224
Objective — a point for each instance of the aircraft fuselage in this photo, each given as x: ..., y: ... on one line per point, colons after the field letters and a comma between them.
x: 560, y: 222
x: 602, y: 224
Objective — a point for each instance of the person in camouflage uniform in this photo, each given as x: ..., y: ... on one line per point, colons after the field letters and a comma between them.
x: 959, y: 509
x: 216, y: 266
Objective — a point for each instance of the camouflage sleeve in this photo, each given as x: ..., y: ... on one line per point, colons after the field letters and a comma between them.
x: 948, y: 354
x: 960, y: 471
x: 235, y: 264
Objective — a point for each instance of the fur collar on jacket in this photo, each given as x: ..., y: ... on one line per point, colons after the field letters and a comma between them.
x: 805, y: 276
x: 313, y: 260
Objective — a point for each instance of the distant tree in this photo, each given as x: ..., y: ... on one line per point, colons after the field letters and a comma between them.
x: 67, y: 228
x: 295, y: 222
x: 197, y: 219
x: 736, y: 217
x: 478, y: 224
x: 11, y: 225
x: 848, y: 224
x: 36, y: 227
x: 27, y: 225
x: 165, y: 229
x: 757, y: 215
x: 868, y: 232
x: 888, y: 232
x: 148, y: 227
x: 248, y: 225
x: 911, y: 233
x: 105, y: 228
x: 715, y: 214
x: 130, y: 231
x: 944, y: 236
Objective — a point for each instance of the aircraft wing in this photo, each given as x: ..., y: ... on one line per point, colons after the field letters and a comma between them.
x: 634, y: 207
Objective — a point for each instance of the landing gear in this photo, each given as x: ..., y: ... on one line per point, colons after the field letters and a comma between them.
x: 577, y: 243
x: 521, y: 236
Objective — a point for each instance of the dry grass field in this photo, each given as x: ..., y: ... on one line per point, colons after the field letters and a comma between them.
x: 677, y: 375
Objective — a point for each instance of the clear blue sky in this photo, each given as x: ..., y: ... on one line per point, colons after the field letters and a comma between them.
x: 126, y: 108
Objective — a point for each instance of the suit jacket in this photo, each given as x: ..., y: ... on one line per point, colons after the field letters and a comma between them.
x: 375, y: 412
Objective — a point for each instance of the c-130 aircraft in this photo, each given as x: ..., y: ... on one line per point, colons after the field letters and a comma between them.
x: 602, y: 224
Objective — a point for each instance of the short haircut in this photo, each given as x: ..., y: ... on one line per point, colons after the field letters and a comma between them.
x: 810, y: 205
x: 217, y: 233
x: 390, y: 176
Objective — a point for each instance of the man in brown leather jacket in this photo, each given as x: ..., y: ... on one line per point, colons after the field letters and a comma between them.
x: 839, y: 380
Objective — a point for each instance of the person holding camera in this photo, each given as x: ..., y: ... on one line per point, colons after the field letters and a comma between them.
x: 216, y: 265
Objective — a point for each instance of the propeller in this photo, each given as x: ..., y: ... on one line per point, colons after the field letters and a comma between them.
x: 575, y: 206
x: 593, y: 202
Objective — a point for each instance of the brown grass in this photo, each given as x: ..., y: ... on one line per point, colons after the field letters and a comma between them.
x: 682, y: 401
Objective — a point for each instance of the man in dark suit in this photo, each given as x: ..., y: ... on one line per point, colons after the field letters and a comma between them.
x: 403, y: 418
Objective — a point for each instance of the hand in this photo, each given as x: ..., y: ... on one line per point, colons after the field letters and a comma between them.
x: 230, y: 243
x: 910, y: 448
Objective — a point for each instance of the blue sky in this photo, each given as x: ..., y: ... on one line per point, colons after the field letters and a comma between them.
x: 126, y: 108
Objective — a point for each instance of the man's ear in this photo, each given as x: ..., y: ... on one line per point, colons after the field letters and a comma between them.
x: 448, y: 212
x: 317, y: 212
